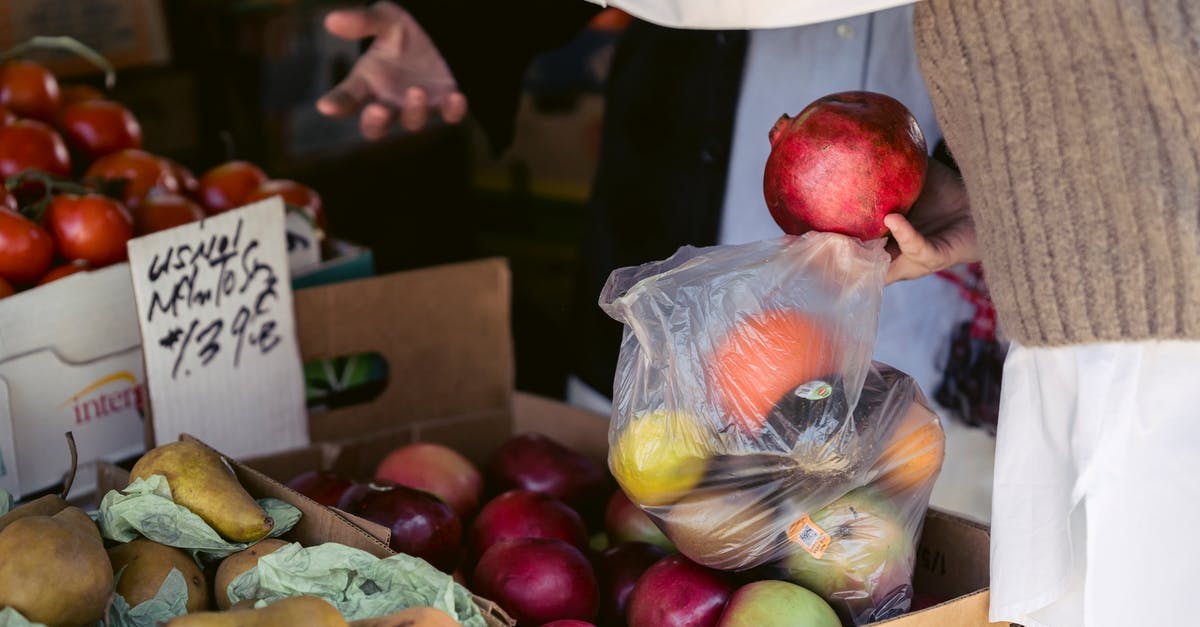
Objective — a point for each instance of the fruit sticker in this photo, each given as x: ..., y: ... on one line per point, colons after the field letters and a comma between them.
x: 809, y: 536
x: 814, y: 390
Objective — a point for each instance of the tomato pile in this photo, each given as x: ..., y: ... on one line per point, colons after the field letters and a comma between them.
x: 78, y: 183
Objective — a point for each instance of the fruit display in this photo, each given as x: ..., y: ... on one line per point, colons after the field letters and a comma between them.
x: 79, y: 183
x: 183, y: 544
x: 530, y: 553
x: 751, y: 425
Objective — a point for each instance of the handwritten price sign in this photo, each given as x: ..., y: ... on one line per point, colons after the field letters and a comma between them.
x: 218, y: 331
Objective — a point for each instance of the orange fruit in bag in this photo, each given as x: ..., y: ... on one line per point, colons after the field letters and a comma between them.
x: 765, y: 357
x: 913, y: 456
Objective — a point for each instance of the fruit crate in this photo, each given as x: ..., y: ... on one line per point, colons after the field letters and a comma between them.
x: 444, y: 333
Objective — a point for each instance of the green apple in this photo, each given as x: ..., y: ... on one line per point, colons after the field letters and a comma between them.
x: 777, y: 604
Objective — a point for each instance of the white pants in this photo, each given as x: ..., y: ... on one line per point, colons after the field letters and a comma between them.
x: 1096, y: 504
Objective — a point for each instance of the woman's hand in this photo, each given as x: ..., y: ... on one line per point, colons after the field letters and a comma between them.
x: 938, y: 231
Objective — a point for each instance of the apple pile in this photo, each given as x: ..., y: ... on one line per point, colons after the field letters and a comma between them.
x: 79, y: 184
x: 542, y: 533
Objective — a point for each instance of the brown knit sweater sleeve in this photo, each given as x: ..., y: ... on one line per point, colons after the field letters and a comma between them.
x: 1076, y: 124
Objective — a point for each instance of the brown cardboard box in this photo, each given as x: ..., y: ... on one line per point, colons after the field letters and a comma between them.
x: 444, y: 332
x: 318, y: 524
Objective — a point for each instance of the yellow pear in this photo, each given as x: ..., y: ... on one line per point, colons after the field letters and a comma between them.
x: 147, y: 564
x: 202, y: 482
x: 53, y: 569
x: 293, y: 612
x: 239, y: 563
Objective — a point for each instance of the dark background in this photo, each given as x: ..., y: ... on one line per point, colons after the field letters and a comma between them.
x: 241, y: 82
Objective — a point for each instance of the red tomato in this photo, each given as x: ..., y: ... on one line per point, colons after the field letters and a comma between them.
x: 228, y: 185
x: 142, y: 171
x: 295, y: 193
x: 159, y: 212
x: 78, y: 93
x: 6, y: 116
x: 64, y: 270
x: 6, y: 289
x: 91, y: 228
x: 188, y: 184
x: 25, y: 249
x: 29, y: 90
x: 6, y: 199
x: 31, y: 145
x: 99, y: 127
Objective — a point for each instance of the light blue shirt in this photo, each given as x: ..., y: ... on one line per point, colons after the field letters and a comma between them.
x: 787, y: 68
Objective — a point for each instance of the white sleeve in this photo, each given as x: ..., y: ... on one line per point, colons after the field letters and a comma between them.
x: 746, y: 14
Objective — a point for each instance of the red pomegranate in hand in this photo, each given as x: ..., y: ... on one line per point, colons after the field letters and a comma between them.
x: 843, y: 163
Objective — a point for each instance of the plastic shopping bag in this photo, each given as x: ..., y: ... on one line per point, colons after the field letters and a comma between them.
x: 750, y: 423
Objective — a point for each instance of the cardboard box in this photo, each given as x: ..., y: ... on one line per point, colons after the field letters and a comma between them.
x: 71, y: 360
x: 318, y: 524
x: 129, y: 33
x: 445, y: 334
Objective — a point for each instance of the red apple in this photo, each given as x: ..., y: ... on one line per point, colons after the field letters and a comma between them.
x: 422, y: 525
x: 532, y: 461
x: 322, y: 486
x: 524, y: 514
x: 619, y: 569
x: 626, y: 522
x: 677, y: 592
x: 538, y: 580
x: 438, y: 470
x: 843, y: 163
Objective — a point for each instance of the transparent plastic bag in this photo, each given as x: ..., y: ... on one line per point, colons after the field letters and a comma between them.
x: 752, y: 426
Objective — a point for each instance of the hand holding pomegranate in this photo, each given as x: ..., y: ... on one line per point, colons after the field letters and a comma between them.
x: 937, y: 233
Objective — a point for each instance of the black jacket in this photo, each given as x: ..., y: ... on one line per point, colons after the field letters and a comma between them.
x: 668, y: 127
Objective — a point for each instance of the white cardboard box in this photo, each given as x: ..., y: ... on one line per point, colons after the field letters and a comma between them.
x: 70, y: 360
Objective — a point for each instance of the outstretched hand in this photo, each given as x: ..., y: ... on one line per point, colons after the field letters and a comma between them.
x: 401, y: 78
x: 938, y: 231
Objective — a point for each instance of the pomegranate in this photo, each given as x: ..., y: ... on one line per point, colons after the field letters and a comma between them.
x: 842, y: 164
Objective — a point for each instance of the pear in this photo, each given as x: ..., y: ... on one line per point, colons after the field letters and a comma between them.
x: 293, y: 612
x: 54, y: 570
x: 202, y: 482
x: 411, y: 617
x: 147, y: 564
x: 48, y: 505
x: 239, y: 563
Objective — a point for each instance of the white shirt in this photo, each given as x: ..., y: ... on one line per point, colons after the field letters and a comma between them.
x: 745, y: 14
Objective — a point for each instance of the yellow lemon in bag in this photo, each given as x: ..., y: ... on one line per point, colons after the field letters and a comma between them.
x: 659, y: 456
